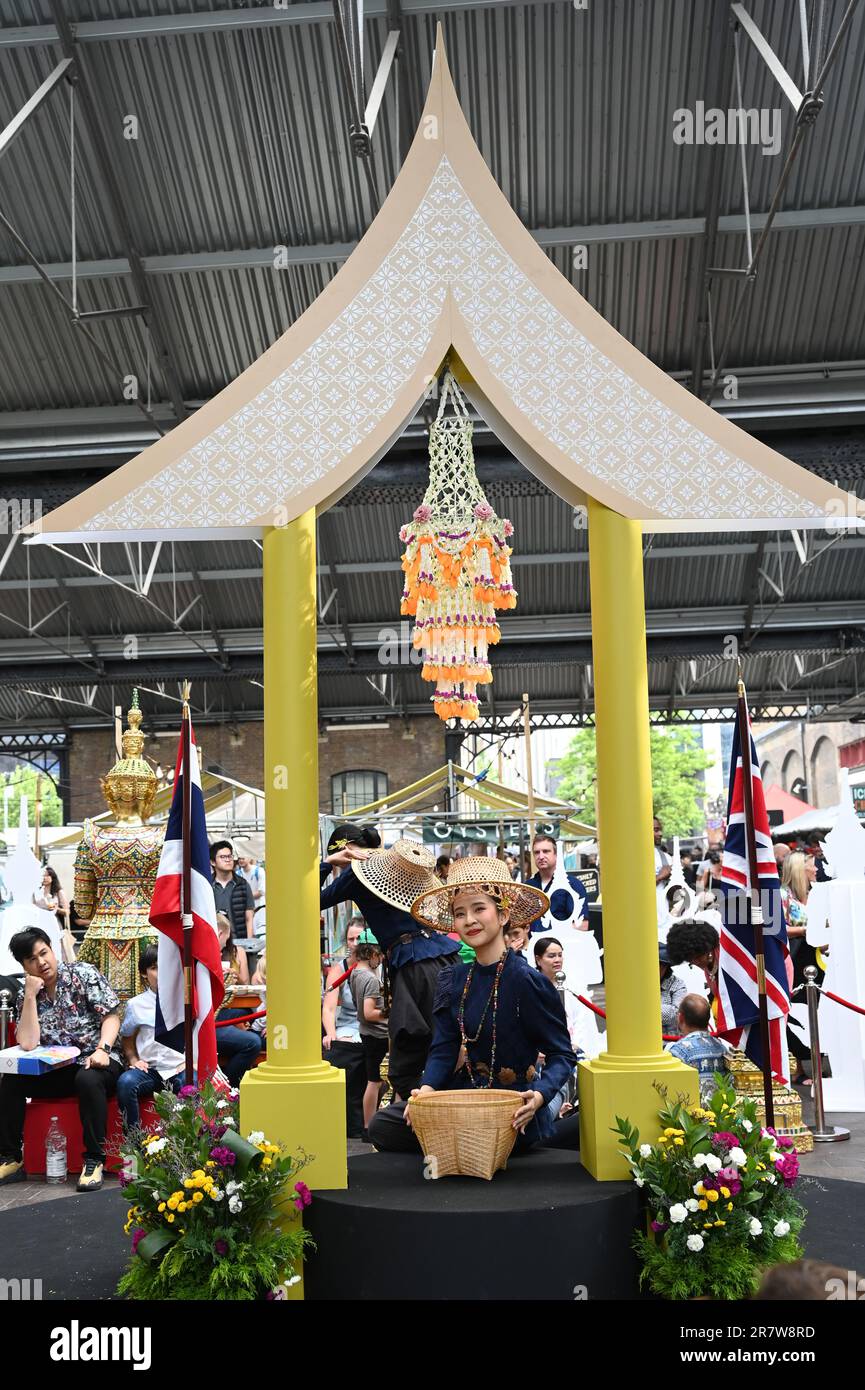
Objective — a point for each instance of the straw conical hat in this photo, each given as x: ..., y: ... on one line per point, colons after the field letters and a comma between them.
x: 522, y: 903
x: 398, y: 875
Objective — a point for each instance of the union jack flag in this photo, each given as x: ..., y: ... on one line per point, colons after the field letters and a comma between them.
x: 738, y: 1009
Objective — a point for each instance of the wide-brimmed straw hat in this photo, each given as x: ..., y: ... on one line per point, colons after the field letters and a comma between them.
x: 522, y: 903
x: 398, y: 875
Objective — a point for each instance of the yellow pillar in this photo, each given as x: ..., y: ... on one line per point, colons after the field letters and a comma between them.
x: 621, y: 1081
x: 294, y: 1097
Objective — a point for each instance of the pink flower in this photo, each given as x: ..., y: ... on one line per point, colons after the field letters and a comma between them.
x: 659, y: 1225
x: 221, y: 1247
x: 483, y: 511
x: 787, y: 1168
x: 423, y: 512
x: 729, y: 1178
x: 508, y: 528
x: 137, y: 1237
x: 724, y: 1140
x: 223, y: 1156
x: 304, y: 1196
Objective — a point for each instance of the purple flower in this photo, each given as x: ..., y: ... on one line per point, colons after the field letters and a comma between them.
x: 224, y: 1157
x: 124, y: 1180
x: 137, y: 1237
x: 787, y: 1168
x: 724, y: 1140
x: 221, y: 1247
x: 659, y: 1225
x: 187, y: 1092
x: 304, y: 1196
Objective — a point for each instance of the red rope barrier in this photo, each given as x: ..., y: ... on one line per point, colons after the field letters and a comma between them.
x: 667, y: 1037
x: 244, y: 1018
x: 846, y: 1002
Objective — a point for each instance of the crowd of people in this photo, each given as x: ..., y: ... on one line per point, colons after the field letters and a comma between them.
x: 450, y: 975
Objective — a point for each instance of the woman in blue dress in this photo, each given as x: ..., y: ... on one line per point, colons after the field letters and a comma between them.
x: 496, y: 1022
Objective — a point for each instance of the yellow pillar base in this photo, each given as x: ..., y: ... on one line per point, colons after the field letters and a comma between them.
x: 625, y: 1086
x: 300, y: 1106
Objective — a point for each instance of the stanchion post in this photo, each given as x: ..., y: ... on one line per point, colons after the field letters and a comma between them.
x: 821, y: 1134
x: 5, y: 1016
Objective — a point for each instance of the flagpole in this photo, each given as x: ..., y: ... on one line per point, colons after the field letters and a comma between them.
x: 186, y: 886
x: 756, y: 904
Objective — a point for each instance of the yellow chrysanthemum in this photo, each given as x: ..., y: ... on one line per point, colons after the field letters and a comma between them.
x: 678, y: 1141
x: 668, y: 1132
x: 170, y: 1216
x: 267, y: 1163
x: 173, y: 1202
x: 188, y: 1183
x: 729, y: 1206
x: 161, y: 1207
x: 210, y: 1163
x: 703, y: 1205
x: 662, y: 1139
x: 198, y: 1196
x: 198, y: 1173
x: 725, y: 1192
x: 720, y: 1223
x: 712, y: 1196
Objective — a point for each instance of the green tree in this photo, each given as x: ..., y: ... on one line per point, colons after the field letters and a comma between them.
x: 677, y: 761
x: 22, y: 780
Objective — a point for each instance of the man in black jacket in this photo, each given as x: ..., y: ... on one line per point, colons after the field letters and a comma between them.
x: 232, y: 892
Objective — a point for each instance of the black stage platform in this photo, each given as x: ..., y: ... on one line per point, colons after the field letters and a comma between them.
x: 534, y: 1232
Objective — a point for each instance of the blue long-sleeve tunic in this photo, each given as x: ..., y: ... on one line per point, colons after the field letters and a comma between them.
x: 530, y: 1019
x: 386, y: 923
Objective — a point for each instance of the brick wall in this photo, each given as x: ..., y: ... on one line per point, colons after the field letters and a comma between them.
x: 385, y: 750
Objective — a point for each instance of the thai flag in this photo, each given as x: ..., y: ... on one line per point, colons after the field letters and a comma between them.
x: 738, y: 1010
x: 166, y: 916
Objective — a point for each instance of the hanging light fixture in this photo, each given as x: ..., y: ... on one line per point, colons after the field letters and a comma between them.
x: 457, y: 566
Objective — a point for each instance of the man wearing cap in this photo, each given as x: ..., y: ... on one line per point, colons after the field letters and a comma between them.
x: 384, y: 884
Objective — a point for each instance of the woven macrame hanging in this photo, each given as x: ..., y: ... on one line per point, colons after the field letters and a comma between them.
x: 457, y: 566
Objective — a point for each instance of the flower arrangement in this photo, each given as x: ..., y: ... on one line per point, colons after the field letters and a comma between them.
x: 720, y: 1197
x: 208, y: 1209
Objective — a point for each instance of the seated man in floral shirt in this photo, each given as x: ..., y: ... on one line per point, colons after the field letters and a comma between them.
x: 61, y: 1006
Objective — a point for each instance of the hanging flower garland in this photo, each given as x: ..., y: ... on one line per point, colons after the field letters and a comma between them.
x: 457, y: 566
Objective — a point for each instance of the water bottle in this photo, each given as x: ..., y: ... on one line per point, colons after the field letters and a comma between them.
x: 55, y: 1152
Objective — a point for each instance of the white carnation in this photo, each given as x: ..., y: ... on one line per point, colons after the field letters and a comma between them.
x: 695, y: 1243
x: 700, y: 1159
x: 235, y: 1205
x: 232, y: 1187
x: 156, y: 1146
x: 692, y: 1204
x: 781, y: 1228
x: 756, y: 1227
x: 713, y: 1163
x: 739, y: 1157
x: 645, y: 1151
x: 746, y: 1124
x: 678, y: 1213
x: 256, y: 1137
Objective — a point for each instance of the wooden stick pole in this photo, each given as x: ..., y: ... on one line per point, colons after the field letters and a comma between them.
x: 756, y: 904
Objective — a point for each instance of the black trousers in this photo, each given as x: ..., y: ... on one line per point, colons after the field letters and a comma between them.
x: 348, y: 1056
x: 92, y: 1086
x: 410, y: 1022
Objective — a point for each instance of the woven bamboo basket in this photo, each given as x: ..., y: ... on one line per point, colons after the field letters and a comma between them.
x: 467, y: 1133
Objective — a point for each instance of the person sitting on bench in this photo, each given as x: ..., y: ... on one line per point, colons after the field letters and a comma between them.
x: 61, y: 1006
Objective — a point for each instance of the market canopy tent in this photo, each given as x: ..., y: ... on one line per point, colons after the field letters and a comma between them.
x: 499, y: 800
x: 446, y: 265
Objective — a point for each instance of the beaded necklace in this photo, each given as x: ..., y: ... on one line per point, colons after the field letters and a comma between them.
x: 493, y: 998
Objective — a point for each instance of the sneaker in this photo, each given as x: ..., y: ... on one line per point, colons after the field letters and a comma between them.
x: 11, y: 1170
x: 91, y: 1176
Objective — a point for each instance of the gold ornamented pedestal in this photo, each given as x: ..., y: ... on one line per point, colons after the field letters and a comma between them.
x: 116, y: 866
x: 748, y: 1081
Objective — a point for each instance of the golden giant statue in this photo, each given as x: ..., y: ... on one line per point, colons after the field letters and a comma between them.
x: 115, y: 867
